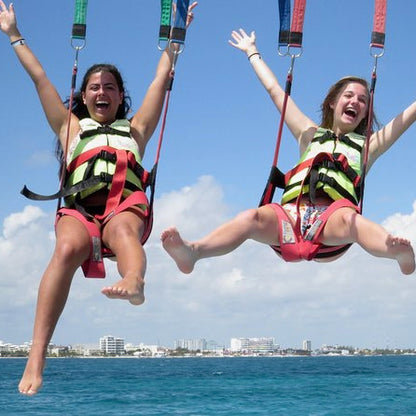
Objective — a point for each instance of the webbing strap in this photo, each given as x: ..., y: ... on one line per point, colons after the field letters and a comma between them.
x: 179, y: 27
x: 291, y: 36
x: 165, y: 20
x: 153, y: 173
x: 377, y: 40
x: 79, y: 26
x: 284, y: 18
x: 117, y: 185
x: 294, y: 39
x: 296, y: 30
x: 379, y: 25
x: 78, y: 32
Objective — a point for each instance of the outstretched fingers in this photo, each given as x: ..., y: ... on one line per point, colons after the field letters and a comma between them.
x: 241, y: 40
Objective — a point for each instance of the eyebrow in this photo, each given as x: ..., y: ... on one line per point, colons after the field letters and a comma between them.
x: 105, y: 85
x: 360, y: 95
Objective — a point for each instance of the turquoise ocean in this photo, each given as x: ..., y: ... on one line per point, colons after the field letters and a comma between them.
x: 314, y: 386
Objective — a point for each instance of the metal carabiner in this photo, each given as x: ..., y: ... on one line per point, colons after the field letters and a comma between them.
x: 78, y: 47
x: 376, y: 55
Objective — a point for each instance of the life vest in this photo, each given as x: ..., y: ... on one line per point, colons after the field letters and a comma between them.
x: 330, y: 163
x: 103, y: 157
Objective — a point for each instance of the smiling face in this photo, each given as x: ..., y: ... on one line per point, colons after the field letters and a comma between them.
x: 349, y: 108
x: 102, y: 97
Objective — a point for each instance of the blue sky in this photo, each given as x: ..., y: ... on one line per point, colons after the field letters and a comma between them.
x: 217, y: 153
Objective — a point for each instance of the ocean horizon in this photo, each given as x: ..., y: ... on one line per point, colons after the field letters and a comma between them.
x: 198, y: 386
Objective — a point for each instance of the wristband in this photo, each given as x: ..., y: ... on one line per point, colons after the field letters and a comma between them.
x: 253, y: 54
x: 18, y: 42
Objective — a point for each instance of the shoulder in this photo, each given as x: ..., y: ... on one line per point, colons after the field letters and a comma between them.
x: 308, y: 135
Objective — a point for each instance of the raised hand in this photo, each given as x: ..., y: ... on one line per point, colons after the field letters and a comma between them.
x: 7, y: 19
x: 243, y: 41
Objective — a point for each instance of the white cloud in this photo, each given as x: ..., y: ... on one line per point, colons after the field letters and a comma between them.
x: 358, y: 300
x: 41, y: 158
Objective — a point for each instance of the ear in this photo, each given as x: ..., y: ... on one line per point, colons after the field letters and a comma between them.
x: 83, y: 97
x: 121, y: 97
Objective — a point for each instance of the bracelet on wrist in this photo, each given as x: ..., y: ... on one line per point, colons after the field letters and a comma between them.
x: 254, y: 54
x: 18, y: 42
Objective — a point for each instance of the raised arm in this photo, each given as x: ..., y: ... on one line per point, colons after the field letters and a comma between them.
x: 55, y: 111
x: 145, y: 120
x: 299, y: 124
x: 381, y: 140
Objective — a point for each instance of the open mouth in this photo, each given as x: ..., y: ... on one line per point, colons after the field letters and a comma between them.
x: 102, y: 105
x: 350, y: 112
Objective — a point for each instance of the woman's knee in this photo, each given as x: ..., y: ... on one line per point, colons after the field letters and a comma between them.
x: 341, y: 227
x: 124, y: 230
x: 71, y: 250
x: 249, y: 217
x: 349, y: 218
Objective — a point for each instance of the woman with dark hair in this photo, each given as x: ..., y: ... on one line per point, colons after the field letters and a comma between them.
x: 97, y: 119
x: 319, y: 215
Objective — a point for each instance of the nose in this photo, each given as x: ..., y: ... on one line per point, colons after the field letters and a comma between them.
x: 355, y: 100
x: 100, y: 90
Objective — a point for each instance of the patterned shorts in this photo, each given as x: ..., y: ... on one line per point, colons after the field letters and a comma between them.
x: 308, y: 211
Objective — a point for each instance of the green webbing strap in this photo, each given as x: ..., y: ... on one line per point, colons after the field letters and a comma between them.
x: 165, y: 20
x: 79, y: 26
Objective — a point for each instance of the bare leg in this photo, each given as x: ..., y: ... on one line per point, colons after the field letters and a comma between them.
x: 346, y: 226
x: 258, y: 224
x: 122, y: 235
x: 72, y: 248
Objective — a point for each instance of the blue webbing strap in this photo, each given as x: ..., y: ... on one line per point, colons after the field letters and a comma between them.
x: 179, y: 26
x: 284, y: 18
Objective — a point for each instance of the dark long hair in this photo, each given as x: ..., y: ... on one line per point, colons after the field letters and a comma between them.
x: 327, y: 113
x: 80, y: 109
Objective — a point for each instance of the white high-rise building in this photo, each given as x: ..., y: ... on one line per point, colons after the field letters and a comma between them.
x: 261, y: 345
x: 191, y: 344
x: 307, y: 345
x: 112, y: 345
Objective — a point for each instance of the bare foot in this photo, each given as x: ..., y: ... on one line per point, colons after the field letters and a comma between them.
x: 31, y: 381
x: 403, y: 252
x: 126, y: 289
x: 180, y: 250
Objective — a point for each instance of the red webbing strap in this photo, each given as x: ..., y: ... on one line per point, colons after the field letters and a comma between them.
x: 377, y: 41
x: 296, y: 29
x: 270, y: 187
x: 68, y: 128
x: 117, y: 185
x: 153, y: 174
x: 379, y: 25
